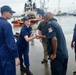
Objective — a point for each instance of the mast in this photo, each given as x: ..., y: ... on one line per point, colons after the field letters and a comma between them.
x: 30, y: 2
x: 58, y: 8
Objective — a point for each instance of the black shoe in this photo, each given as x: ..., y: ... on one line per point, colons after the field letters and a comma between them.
x: 74, y: 73
x: 44, y: 61
x: 22, y: 68
x: 28, y: 72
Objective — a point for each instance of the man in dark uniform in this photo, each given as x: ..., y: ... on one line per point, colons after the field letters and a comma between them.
x: 56, y: 43
x: 73, y: 43
x: 8, y: 48
x: 23, y: 45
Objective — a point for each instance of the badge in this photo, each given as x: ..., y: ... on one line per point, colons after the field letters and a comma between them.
x: 50, y: 30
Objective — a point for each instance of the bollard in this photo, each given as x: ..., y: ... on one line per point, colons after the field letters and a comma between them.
x: 74, y: 73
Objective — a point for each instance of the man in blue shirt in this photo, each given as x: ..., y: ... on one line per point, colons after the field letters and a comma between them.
x: 56, y: 43
x: 42, y: 32
x: 8, y: 48
x: 23, y: 45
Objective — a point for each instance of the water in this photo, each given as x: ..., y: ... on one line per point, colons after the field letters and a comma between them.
x: 67, y: 23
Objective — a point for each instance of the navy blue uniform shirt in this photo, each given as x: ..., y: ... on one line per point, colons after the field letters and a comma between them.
x: 74, y: 37
x: 54, y: 30
x: 8, y: 48
x: 21, y: 42
x: 74, y: 34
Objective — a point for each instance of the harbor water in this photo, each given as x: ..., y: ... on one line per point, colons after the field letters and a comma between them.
x: 36, y: 51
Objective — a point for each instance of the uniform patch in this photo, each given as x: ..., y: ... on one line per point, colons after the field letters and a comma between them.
x: 50, y: 30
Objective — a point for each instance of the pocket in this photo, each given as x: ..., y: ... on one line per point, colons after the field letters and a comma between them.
x: 10, y: 67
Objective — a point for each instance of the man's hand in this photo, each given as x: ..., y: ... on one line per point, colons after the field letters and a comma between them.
x: 72, y: 45
x: 34, y: 36
x: 17, y: 61
x: 37, y: 36
x: 40, y: 36
x: 53, y: 56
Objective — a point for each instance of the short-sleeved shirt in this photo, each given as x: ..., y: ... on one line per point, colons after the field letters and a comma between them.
x: 25, y: 31
x: 8, y: 48
x: 54, y: 30
x: 42, y: 28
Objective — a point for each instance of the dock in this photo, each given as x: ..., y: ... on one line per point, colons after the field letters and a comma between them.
x: 36, y: 56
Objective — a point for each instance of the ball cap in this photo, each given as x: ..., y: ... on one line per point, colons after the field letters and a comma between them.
x: 25, y: 19
x: 6, y: 8
x: 41, y: 12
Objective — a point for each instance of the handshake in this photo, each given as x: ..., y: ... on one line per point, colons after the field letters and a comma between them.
x: 39, y: 36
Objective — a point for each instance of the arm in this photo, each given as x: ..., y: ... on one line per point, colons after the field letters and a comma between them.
x: 39, y: 32
x: 54, y: 47
x: 10, y: 42
x: 72, y: 43
x: 27, y: 34
x: 29, y: 38
x: 40, y: 35
x: 9, y: 39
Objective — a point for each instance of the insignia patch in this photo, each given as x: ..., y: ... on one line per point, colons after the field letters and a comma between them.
x: 50, y: 30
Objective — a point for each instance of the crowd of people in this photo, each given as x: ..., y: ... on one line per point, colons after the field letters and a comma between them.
x: 49, y: 33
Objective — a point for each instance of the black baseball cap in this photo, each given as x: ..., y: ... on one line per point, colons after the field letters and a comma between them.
x: 6, y: 8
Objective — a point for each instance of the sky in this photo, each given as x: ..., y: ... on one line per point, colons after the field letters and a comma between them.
x: 52, y: 5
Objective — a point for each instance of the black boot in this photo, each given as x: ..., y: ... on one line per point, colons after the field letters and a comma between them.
x: 22, y: 68
x: 28, y: 72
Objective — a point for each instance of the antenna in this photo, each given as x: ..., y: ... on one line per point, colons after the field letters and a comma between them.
x: 42, y: 4
x: 58, y: 7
